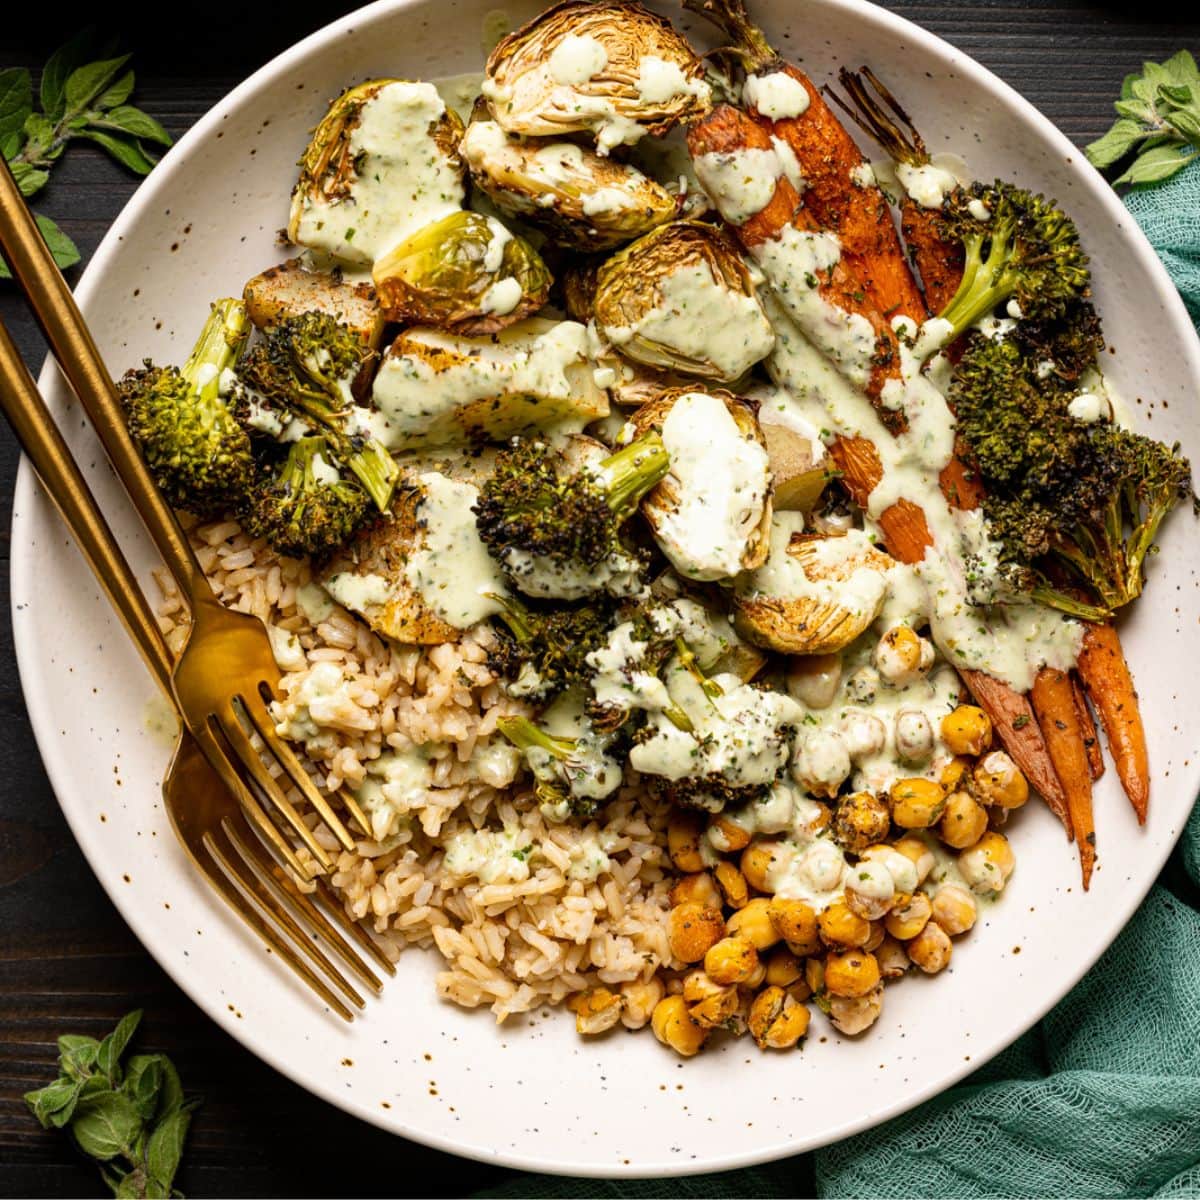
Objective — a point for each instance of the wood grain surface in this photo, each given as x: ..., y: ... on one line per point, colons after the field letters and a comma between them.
x: 67, y: 960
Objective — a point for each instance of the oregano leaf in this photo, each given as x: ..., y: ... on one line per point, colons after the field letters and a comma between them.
x: 117, y: 92
x: 77, y: 1054
x: 16, y: 99
x: 128, y: 153
x: 62, y: 249
x: 108, y: 1057
x: 54, y: 1098
x: 60, y: 64
x: 106, y: 1125
x: 1115, y: 144
x: 85, y: 83
x: 165, y: 1147
x: 1155, y: 165
x: 133, y: 121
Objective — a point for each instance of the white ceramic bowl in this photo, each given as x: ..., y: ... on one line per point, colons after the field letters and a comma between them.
x: 534, y: 1095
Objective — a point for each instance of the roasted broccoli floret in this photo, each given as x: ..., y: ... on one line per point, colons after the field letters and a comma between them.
x: 1067, y: 345
x: 543, y: 652
x: 572, y: 774
x: 1025, y: 249
x: 198, y: 454
x: 305, y: 366
x: 537, y: 515
x: 1074, y: 505
x: 307, y: 508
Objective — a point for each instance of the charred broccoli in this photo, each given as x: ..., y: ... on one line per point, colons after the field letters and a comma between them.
x: 307, y: 508
x: 544, y: 652
x: 555, y: 529
x: 1024, y: 249
x: 572, y: 774
x: 1075, y: 505
x: 1066, y: 345
x: 198, y: 454
x: 305, y: 366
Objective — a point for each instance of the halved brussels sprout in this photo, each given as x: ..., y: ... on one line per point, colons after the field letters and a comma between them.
x: 465, y: 273
x: 711, y: 514
x: 815, y: 593
x: 682, y: 299
x: 382, y: 163
x: 583, y: 201
x: 439, y: 389
x: 608, y: 67
x: 799, y: 472
x: 291, y: 288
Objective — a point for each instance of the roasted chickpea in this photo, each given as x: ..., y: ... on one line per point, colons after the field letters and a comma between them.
x: 963, y: 821
x: 696, y: 889
x: 954, y: 909
x: 902, y: 656
x: 596, y: 1011
x: 998, y: 780
x: 919, y: 854
x: 908, y: 919
x: 685, y: 831
x: 813, y: 678
x: 842, y: 927
x: 753, y: 922
x: 852, y: 973
x: 953, y: 773
x: 640, y: 998
x: 854, y: 1014
x: 776, y: 1021
x: 731, y: 960
x: 757, y: 861
x: 859, y: 820
x: 878, y: 933
x: 814, y: 975
x: 727, y: 836
x: 795, y: 922
x: 899, y: 866
x: 987, y: 865
x: 863, y: 734
x: 674, y: 1027
x: 931, y: 949
x: 732, y: 884
x: 692, y: 929
x: 821, y: 762
x: 863, y: 686
x: 757, y: 977
x: 870, y: 889
x: 892, y: 958
x: 713, y: 1009
x: 784, y: 967
x: 914, y: 735
x: 967, y: 730
x: 917, y: 803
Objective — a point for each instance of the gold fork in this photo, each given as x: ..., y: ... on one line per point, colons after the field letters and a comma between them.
x: 208, y: 820
x: 226, y: 675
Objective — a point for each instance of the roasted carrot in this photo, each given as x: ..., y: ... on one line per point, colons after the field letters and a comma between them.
x: 1109, y: 685
x: 829, y: 160
x: 1053, y: 699
x: 1091, y: 739
x: 1014, y: 721
x: 878, y: 113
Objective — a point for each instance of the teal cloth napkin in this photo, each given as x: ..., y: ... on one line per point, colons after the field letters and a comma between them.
x: 1102, y: 1099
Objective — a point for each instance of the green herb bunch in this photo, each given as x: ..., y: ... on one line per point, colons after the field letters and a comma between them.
x: 131, y: 1118
x: 1158, y: 119
x: 79, y: 96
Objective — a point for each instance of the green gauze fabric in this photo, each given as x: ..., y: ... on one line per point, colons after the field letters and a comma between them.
x: 1102, y: 1098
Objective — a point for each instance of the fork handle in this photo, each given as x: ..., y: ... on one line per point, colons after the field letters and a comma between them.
x: 71, y: 343
x: 56, y: 468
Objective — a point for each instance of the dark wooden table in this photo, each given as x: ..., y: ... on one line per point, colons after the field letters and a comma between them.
x: 68, y: 960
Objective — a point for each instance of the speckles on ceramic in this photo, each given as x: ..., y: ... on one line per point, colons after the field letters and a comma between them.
x: 532, y: 1094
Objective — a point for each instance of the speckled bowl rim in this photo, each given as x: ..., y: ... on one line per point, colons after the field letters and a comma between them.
x: 39, y: 697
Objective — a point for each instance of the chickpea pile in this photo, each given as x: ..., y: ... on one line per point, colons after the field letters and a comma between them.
x: 753, y: 960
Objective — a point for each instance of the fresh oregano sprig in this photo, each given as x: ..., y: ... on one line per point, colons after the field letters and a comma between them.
x: 1158, y: 118
x: 131, y: 1117
x: 83, y: 94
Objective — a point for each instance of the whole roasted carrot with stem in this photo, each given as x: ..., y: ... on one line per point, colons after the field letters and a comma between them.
x: 839, y: 193
x: 1109, y: 685
x: 1053, y: 699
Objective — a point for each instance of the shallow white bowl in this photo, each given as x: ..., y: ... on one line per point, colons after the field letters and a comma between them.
x: 534, y: 1095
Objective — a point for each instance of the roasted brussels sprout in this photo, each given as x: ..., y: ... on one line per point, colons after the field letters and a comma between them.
x: 815, y: 593
x: 438, y: 389
x: 465, y: 273
x: 711, y: 514
x: 382, y: 163
x: 682, y: 299
x: 607, y: 67
x: 289, y: 289
x: 583, y: 201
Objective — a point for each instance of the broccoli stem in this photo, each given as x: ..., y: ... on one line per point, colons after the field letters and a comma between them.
x: 515, y: 615
x: 525, y: 735
x: 632, y: 471
x: 985, y: 282
x: 218, y: 348
x: 374, y: 468
x: 687, y: 660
